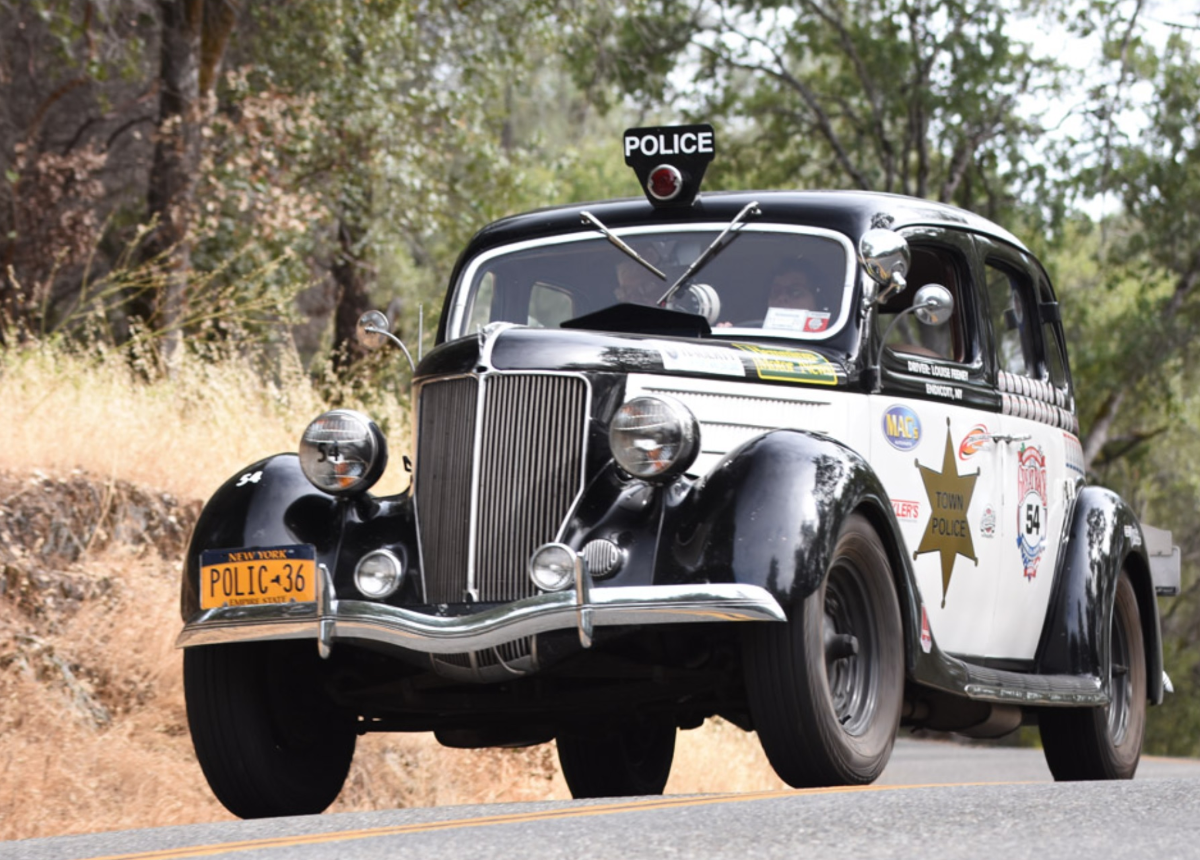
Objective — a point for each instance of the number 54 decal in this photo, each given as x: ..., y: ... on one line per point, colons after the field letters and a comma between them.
x: 1031, y: 513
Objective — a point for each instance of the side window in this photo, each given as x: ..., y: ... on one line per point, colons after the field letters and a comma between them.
x: 1014, y: 321
x: 549, y: 306
x: 909, y: 337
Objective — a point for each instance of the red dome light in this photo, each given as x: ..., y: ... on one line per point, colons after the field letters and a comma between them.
x: 665, y: 182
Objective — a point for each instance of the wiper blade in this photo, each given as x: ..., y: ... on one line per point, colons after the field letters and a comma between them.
x: 712, y: 250
x: 589, y: 218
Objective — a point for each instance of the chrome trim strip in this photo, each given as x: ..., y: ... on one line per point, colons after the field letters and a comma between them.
x: 431, y: 634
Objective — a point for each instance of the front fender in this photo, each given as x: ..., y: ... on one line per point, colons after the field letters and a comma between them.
x: 770, y: 512
x: 269, y: 503
x: 1104, y: 538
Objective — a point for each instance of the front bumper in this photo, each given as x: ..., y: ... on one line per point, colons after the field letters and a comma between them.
x: 328, y: 620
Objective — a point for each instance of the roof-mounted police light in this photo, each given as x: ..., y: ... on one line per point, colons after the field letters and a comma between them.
x: 670, y: 161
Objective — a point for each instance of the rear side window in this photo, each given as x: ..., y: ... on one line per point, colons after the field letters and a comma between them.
x: 1014, y: 322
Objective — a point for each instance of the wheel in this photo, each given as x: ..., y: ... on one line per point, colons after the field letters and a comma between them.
x: 826, y: 688
x: 269, y: 741
x: 1105, y: 742
x: 632, y: 760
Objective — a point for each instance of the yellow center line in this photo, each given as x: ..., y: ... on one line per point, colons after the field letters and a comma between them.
x: 493, y: 820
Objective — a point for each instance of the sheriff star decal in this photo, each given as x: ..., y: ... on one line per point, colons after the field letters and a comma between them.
x: 948, y: 532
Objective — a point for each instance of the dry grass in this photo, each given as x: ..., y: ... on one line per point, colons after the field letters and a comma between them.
x: 91, y: 702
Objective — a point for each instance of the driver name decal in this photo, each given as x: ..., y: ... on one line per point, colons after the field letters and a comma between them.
x: 948, y: 532
x: 1031, y: 512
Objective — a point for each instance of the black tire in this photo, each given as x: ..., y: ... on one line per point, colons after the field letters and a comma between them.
x: 1105, y: 742
x: 268, y: 739
x: 826, y: 716
x: 632, y: 760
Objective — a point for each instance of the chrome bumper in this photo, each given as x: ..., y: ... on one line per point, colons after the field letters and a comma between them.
x: 328, y: 620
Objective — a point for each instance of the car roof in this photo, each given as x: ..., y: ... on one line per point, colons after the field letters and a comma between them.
x: 850, y: 212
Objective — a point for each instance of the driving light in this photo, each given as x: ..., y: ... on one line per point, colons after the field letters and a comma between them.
x: 553, y: 567
x: 378, y: 574
x: 654, y: 437
x: 342, y: 452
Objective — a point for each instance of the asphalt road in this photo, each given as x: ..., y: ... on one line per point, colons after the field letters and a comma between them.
x: 937, y: 800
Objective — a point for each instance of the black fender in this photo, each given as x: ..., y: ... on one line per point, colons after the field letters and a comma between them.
x: 272, y: 503
x: 769, y: 514
x: 1104, y: 538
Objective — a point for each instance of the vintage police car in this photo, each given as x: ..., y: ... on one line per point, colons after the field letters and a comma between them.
x: 807, y: 461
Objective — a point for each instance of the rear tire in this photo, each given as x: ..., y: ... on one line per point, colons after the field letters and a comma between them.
x: 270, y: 742
x: 824, y: 715
x: 1106, y: 742
x: 632, y: 760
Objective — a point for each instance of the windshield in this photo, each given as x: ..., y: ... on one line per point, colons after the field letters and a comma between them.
x: 780, y: 280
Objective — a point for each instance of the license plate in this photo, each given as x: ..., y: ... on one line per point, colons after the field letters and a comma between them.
x: 257, y: 575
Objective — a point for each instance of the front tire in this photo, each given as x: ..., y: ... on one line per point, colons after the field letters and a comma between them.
x: 1106, y: 742
x: 826, y: 688
x: 632, y: 760
x: 270, y: 742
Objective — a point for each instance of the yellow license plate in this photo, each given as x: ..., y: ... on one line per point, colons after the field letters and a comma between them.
x: 257, y: 575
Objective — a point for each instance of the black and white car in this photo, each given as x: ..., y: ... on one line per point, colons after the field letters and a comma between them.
x: 806, y: 461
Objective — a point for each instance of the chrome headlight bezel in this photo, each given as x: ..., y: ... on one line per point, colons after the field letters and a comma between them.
x: 379, y: 574
x: 654, y: 437
x: 343, y: 452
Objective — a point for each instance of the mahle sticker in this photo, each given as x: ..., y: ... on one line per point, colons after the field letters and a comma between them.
x: 902, y: 427
x: 791, y: 365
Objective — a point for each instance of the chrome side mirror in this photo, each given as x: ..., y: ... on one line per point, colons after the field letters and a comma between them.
x: 933, y: 304
x: 374, y: 330
x: 885, y: 257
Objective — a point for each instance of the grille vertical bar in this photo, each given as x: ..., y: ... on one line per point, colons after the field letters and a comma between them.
x: 445, y: 460
x: 528, y: 476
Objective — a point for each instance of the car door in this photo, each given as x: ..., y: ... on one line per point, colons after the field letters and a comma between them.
x: 930, y: 422
x: 1040, y: 456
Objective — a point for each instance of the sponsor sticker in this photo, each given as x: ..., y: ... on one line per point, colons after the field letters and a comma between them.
x: 791, y: 365
x: 700, y: 359
x: 987, y: 523
x: 906, y: 510
x: 948, y: 533
x: 926, y: 633
x: 976, y: 440
x: 796, y: 319
x: 1032, y: 514
x: 902, y: 427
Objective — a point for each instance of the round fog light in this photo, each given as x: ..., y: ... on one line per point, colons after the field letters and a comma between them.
x: 378, y: 574
x: 552, y: 567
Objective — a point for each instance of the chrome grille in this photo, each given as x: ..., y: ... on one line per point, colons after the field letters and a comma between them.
x: 528, y: 473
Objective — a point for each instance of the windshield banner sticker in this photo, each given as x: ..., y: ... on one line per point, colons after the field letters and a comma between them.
x: 701, y: 359
x: 948, y: 532
x: 1031, y: 513
x: 791, y: 365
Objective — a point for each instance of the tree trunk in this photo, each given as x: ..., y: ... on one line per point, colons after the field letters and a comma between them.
x: 353, y: 298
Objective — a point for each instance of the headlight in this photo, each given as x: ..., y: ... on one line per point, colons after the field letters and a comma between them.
x: 343, y: 451
x: 654, y: 437
x: 378, y: 574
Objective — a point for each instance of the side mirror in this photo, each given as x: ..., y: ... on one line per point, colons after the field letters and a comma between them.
x: 373, y: 331
x: 885, y: 257
x: 933, y: 304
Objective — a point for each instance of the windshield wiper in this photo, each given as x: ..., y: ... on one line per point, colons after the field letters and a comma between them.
x: 712, y: 250
x: 589, y: 218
